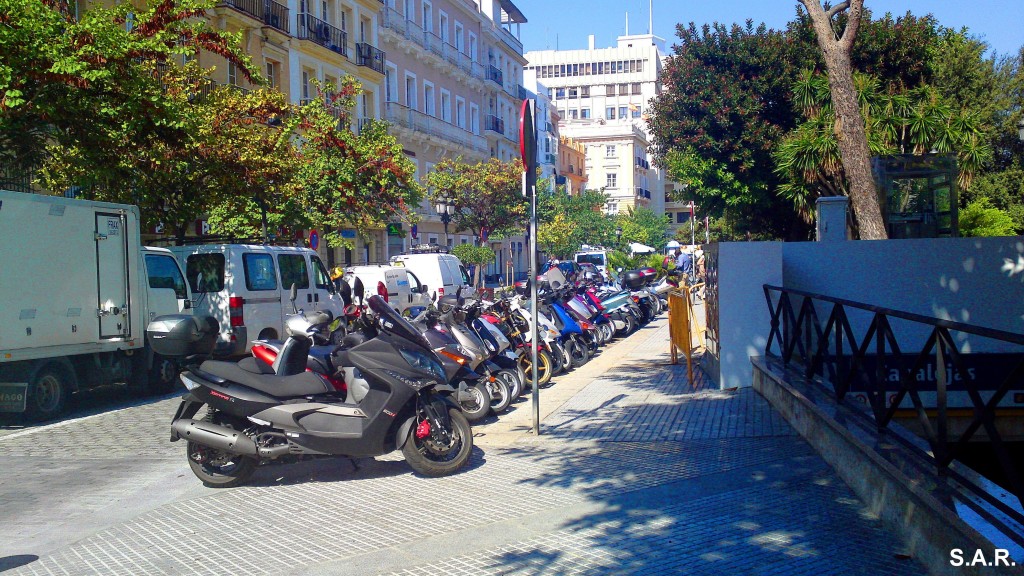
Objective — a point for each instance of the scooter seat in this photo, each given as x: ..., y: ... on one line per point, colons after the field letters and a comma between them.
x: 302, y: 384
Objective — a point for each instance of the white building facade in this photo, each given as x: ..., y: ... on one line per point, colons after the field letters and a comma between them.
x: 603, y: 96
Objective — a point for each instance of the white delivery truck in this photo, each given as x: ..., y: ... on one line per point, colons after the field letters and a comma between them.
x: 77, y: 289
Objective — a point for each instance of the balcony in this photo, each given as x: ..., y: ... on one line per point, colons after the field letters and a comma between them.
x: 369, y: 56
x: 494, y: 124
x: 523, y: 92
x: 494, y: 75
x: 311, y: 28
x: 416, y: 121
x: 393, y: 20
x: 267, y: 11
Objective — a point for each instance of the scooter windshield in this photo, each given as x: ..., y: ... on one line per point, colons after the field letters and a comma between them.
x: 392, y: 323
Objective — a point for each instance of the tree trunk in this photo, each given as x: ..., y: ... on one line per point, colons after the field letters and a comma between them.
x: 850, y: 132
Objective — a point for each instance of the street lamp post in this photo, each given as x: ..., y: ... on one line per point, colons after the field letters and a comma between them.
x: 1020, y: 129
x: 618, y: 237
x: 445, y: 208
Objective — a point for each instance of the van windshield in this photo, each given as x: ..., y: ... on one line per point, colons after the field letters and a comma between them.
x: 597, y: 259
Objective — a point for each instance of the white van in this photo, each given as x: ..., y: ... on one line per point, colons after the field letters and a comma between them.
x: 400, y: 287
x: 247, y: 288
x: 593, y: 255
x: 441, y: 273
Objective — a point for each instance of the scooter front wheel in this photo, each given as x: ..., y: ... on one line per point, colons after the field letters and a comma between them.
x: 432, y: 456
x: 544, y: 367
x: 475, y: 402
x: 501, y: 395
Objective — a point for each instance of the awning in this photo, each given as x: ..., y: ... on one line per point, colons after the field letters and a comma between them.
x: 672, y: 244
x: 638, y: 248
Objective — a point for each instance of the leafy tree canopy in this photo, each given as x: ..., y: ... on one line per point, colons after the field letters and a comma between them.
x: 487, y: 195
x: 980, y: 218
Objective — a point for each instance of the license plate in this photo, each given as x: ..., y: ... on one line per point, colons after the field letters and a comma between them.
x: 13, y: 397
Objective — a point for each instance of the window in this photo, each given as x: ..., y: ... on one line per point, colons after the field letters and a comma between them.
x: 559, y: 93
x: 682, y: 217
x: 410, y: 91
x: 584, y: 91
x: 574, y: 92
x: 611, y: 179
x: 623, y: 89
x: 320, y: 277
x: 623, y: 112
x: 474, y: 118
x: 273, y: 69
x: 573, y: 114
x: 460, y: 112
x: 609, y: 151
x: 585, y: 113
x: 428, y: 17
x: 432, y: 240
x: 305, y: 85
x: 293, y: 271
x: 259, y: 271
x: 163, y: 272
x: 609, y: 90
x: 459, y: 43
x: 391, y: 84
x: 444, y: 27
x: 472, y: 47
x: 410, y: 9
x: 635, y: 87
x: 211, y: 266
x: 609, y: 113
x: 635, y: 108
x: 232, y: 74
x: 446, y: 106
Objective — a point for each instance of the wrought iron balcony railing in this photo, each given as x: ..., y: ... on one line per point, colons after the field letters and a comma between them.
x: 494, y: 75
x: 494, y: 124
x: 308, y: 27
x: 369, y: 56
x: 269, y: 12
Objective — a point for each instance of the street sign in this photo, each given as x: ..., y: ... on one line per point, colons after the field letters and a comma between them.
x: 314, y: 240
x: 528, y: 145
x: 414, y: 231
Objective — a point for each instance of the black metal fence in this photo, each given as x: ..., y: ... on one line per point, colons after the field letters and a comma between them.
x: 875, y: 364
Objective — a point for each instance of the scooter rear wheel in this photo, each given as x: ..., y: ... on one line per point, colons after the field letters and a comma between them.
x: 544, y: 367
x: 219, y: 469
x: 428, y: 457
x: 501, y: 395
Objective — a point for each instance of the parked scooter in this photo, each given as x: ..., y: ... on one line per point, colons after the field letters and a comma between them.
x: 255, y: 416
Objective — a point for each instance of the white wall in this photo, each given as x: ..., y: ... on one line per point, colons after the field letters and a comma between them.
x: 744, y: 321
x: 978, y: 281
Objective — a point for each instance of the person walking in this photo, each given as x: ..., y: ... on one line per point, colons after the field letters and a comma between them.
x: 684, y: 262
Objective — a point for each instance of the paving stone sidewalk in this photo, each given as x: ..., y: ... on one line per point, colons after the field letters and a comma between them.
x: 636, y: 472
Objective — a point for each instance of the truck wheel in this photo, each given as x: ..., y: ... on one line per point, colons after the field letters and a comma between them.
x: 48, y: 392
x: 163, y: 375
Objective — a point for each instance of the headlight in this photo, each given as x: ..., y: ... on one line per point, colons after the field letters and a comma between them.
x: 421, y: 361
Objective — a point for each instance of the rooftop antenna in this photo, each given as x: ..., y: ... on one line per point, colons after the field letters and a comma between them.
x: 650, y: 17
x: 627, y: 23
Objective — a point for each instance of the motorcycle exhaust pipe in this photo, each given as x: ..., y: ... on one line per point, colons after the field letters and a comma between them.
x: 215, y: 436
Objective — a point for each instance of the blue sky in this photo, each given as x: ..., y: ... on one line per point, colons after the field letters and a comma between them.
x: 565, y: 24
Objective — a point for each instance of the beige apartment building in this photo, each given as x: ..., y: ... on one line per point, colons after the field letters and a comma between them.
x: 572, y: 164
x: 452, y: 88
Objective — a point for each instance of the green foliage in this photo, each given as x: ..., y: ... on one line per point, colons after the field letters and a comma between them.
x: 914, y: 121
x: 643, y: 225
x: 89, y: 85
x: 487, y: 195
x: 568, y: 222
x: 979, y: 218
x: 351, y: 180
x: 476, y: 256
x: 1003, y: 189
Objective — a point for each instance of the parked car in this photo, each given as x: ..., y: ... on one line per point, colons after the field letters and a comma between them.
x: 401, y: 288
x: 246, y: 288
x: 441, y: 272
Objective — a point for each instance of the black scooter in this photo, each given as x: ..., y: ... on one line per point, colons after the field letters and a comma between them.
x: 254, y: 416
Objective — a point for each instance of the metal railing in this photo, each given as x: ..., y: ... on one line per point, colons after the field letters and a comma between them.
x: 494, y: 124
x: 494, y: 75
x: 877, y: 366
x: 309, y: 27
x: 417, y: 121
x: 396, y: 21
x: 269, y: 12
x: 370, y: 56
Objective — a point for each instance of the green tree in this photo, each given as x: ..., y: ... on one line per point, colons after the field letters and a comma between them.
x: 92, y: 82
x: 917, y: 121
x: 475, y: 256
x: 351, y: 180
x: 581, y: 212
x: 555, y: 237
x: 980, y: 218
x: 1002, y: 189
x: 487, y: 195
x: 643, y: 225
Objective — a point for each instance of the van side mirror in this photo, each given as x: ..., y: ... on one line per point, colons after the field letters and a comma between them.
x: 199, y: 288
x: 359, y: 291
x: 423, y: 289
x: 293, y: 294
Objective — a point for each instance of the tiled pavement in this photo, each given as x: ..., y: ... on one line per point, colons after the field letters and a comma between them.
x: 635, y: 472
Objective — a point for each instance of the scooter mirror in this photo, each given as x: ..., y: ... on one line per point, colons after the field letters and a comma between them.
x: 458, y: 296
x: 358, y: 291
x: 346, y: 292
